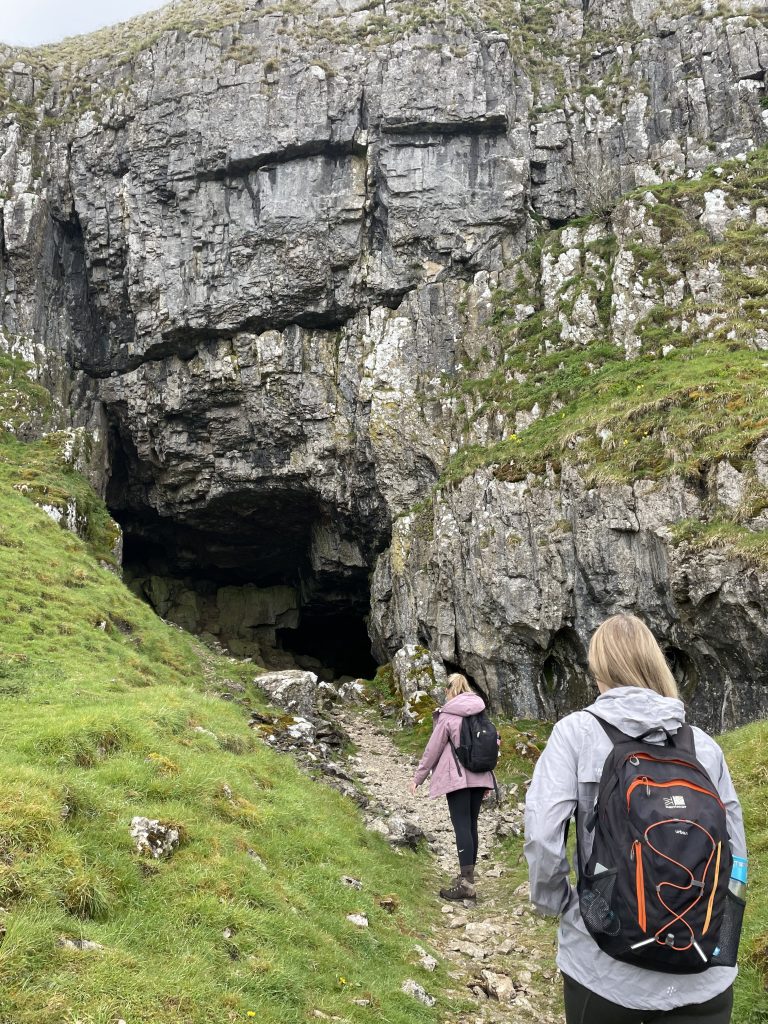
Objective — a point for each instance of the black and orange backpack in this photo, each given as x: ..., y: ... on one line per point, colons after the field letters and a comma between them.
x: 653, y: 892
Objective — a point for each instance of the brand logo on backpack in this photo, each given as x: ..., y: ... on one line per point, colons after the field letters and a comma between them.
x: 653, y: 892
x: 674, y: 803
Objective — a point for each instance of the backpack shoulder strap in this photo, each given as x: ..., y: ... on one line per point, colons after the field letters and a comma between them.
x: 614, y: 735
x: 683, y: 739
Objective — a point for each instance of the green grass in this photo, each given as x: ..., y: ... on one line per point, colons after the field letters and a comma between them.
x: 751, y: 544
x: 680, y: 413
x: 745, y: 752
x: 100, y: 703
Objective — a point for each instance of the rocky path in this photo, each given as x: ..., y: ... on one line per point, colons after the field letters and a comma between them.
x: 385, y: 774
x: 499, y: 954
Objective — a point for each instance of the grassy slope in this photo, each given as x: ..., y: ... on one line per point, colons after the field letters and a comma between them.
x: 99, y: 700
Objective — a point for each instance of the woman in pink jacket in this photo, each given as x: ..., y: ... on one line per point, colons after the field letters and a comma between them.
x: 464, y: 789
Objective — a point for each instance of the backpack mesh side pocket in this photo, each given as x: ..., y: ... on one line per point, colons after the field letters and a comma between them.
x: 730, y: 932
x: 595, y: 904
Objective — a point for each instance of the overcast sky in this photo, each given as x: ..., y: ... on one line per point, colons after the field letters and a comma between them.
x: 30, y: 22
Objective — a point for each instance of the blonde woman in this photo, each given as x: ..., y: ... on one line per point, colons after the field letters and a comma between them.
x: 638, y: 697
x: 463, y: 789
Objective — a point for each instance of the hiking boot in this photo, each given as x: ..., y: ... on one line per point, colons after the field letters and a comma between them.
x: 461, y: 889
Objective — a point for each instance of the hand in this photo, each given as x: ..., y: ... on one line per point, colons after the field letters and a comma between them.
x: 412, y: 789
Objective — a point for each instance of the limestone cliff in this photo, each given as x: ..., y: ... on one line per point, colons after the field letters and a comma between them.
x: 262, y: 256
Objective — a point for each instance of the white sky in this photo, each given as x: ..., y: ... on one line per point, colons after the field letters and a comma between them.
x: 31, y: 22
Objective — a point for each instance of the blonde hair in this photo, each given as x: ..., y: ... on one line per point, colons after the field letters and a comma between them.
x: 624, y: 652
x: 457, y: 683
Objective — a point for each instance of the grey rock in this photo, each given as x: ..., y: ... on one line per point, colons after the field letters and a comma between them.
x: 498, y: 986
x: 359, y: 920
x: 421, y: 680
x: 404, y: 833
x: 294, y: 691
x: 413, y: 988
x: 81, y: 945
x: 398, y: 831
x: 154, y: 838
x: 301, y: 730
x: 519, y: 616
x: 730, y: 484
x: 428, y: 962
x: 352, y: 693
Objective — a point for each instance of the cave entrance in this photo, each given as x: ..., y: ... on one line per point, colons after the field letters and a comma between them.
x: 268, y: 575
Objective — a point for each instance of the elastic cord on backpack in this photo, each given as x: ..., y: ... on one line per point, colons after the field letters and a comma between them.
x: 682, y: 888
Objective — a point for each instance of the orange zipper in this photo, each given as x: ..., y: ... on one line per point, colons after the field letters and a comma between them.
x: 645, y: 781
x: 640, y: 884
x: 659, y: 760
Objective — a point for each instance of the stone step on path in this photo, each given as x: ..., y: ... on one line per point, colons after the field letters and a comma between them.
x: 499, y: 954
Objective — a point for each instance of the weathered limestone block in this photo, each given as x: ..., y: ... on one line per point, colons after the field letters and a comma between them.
x: 294, y: 691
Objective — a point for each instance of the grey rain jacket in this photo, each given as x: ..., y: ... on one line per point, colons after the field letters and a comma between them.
x: 568, y: 771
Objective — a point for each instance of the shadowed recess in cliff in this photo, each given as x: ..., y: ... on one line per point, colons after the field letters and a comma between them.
x: 267, y: 572
x: 564, y: 682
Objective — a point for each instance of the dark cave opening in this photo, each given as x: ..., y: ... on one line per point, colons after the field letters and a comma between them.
x: 268, y: 572
x: 684, y: 670
x: 336, y: 639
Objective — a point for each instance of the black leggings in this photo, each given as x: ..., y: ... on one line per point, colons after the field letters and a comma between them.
x: 585, y: 1007
x: 464, y: 808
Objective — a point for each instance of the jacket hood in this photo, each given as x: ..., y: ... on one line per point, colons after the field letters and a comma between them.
x: 634, y: 710
x: 463, y: 705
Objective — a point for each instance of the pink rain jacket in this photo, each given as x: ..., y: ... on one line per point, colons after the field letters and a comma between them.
x: 438, y: 756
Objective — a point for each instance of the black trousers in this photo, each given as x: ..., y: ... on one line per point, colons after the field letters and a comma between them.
x: 464, y: 808
x: 585, y: 1007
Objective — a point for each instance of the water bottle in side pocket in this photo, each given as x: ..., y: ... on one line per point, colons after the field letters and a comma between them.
x: 726, y: 953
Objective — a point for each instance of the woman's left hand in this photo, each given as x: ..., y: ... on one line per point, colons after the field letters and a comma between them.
x: 412, y: 789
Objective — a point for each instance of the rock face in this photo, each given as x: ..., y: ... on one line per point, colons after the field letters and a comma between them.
x: 254, y: 255
x: 517, y: 576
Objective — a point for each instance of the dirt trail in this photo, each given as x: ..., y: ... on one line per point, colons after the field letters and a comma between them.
x: 499, y: 954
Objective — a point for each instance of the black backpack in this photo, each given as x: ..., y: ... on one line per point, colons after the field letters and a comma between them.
x: 478, y: 748
x: 653, y: 892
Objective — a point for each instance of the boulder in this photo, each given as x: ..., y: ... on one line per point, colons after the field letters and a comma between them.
x: 294, y: 691
x: 352, y: 692
x: 498, y: 986
x: 398, y: 831
x: 421, y: 680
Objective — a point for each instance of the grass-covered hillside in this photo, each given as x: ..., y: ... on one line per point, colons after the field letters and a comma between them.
x: 102, y: 710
